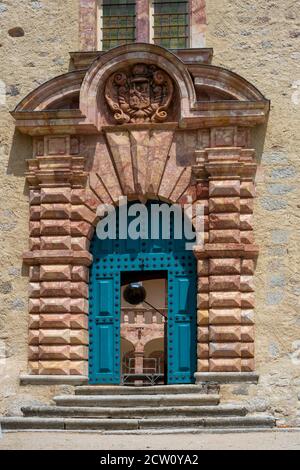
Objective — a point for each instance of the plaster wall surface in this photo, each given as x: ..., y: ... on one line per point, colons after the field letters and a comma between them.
x: 259, y: 40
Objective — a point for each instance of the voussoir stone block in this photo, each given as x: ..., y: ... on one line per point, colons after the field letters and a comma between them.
x: 225, y: 317
x: 224, y: 204
x: 224, y: 188
x: 59, y: 272
x: 224, y: 266
x: 83, y: 213
x: 225, y: 299
x: 224, y: 334
x: 225, y: 365
x: 224, y: 283
x: 224, y: 221
x: 224, y: 350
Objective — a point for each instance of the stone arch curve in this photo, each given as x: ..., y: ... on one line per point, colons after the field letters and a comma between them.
x: 111, y: 62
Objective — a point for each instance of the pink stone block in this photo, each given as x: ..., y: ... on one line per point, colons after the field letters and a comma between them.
x: 224, y: 334
x: 224, y: 283
x: 225, y: 300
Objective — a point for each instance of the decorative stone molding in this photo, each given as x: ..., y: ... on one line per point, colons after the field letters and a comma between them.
x: 142, y: 95
x: 82, y: 158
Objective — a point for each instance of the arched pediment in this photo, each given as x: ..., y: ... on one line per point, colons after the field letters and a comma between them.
x: 141, y: 84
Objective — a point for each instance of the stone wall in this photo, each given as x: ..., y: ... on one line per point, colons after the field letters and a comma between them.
x: 259, y: 41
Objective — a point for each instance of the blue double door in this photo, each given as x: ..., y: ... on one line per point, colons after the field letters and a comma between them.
x: 112, y: 258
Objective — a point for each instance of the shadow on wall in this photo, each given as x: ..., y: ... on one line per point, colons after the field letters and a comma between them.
x: 258, y: 137
x: 20, y: 152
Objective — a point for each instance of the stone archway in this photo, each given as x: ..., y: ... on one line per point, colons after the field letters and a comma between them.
x: 82, y: 157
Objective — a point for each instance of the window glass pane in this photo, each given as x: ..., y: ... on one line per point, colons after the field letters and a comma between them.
x: 118, y: 23
x: 171, y: 23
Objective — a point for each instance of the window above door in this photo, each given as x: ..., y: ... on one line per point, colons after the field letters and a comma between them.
x: 173, y: 24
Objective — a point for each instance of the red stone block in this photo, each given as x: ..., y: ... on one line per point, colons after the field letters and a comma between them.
x: 225, y: 365
x: 221, y: 205
x: 225, y: 317
x: 203, y: 365
x: 55, y: 195
x: 247, y: 350
x: 55, y: 227
x: 202, y: 351
x: 223, y: 266
x: 247, y: 206
x: 55, y: 211
x: 224, y: 236
x: 224, y: 334
x: 224, y: 221
x: 248, y: 300
x: 248, y: 333
x: 224, y: 350
x: 225, y: 300
x: 224, y: 188
x: 248, y: 267
x: 248, y: 365
x: 203, y: 334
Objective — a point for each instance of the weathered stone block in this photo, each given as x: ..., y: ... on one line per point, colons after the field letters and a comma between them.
x: 248, y: 333
x: 224, y: 221
x: 34, y: 322
x: 247, y: 238
x: 246, y: 222
x: 55, y: 289
x: 221, y: 205
x: 224, y: 350
x: 34, y: 305
x: 80, y: 243
x: 203, y: 267
x: 79, y: 321
x: 83, y: 213
x: 79, y: 306
x: 203, y: 365
x: 224, y: 188
x: 247, y: 350
x: 203, y: 334
x: 34, y: 243
x: 224, y: 334
x: 247, y: 206
x: 34, y: 197
x: 247, y: 317
x: 33, y: 353
x: 54, y: 352
x: 202, y: 301
x: 225, y: 300
x: 35, y: 213
x: 55, y: 227
x: 80, y: 228
x: 80, y: 273
x: 54, y: 336
x: 247, y: 300
x: 224, y: 283
x: 55, y: 320
x: 55, y: 211
x: 203, y: 284
x: 225, y: 365
x: 224, y: 236
x: 54, y: 367
x: 78, y: 368
x: 79, y: 289
x: 55, y: 195
x: 79, y: 353
x: 34, y: 290
x: 225, y: 317
x: 55, y: 305
x: 34, y: 229
x: 34, y: 273
x: 56, y: 243
x: 59, y: 272
x: 202, y: 351
x: 202, y: 317
x: 248, y: 365
x: 247, y: 284
x: 79, y: 337
x: 33, y: 337
x: 248, y: 267
x: 224, y: 266
x: 247, y: 189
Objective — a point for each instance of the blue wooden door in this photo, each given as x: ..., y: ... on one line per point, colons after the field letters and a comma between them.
x: 110, y: 260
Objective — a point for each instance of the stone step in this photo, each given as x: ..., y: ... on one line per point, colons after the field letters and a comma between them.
x: 126, y: 390
x: 134, y: 401
x: 136, y: 413
x: 77, y: 424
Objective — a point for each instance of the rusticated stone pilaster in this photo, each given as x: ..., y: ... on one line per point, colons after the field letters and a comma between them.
x: 226, y: 262
x: 58, y: 256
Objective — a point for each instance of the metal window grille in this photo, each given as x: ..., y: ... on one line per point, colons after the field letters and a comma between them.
x: 171, y: 23
x: 118, y: 23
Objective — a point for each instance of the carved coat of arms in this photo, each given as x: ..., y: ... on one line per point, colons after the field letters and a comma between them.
x: 141, y: 95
